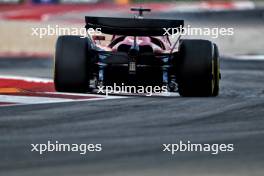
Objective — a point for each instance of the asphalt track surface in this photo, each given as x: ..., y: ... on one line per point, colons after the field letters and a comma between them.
x: 132, y: 130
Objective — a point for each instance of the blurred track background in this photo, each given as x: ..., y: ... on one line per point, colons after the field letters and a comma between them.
x: 130, y: 129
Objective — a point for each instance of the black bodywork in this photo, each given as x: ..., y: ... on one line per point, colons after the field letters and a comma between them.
x: 135, y: 65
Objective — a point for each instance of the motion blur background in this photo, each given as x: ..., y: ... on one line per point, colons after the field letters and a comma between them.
x: 18, y: 17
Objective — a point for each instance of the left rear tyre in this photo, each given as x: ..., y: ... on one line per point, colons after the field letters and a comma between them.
x: 72, y: 66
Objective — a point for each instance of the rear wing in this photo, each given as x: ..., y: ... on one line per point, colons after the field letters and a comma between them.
x: 132, y: 26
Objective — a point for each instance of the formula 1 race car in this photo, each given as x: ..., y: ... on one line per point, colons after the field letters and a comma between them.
x: 140, y: 52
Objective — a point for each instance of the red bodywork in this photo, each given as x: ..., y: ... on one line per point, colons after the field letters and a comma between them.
x: 157, y: 44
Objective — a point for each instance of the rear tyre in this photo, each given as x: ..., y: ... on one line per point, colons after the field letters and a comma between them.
x: 216, y: 71
x: 195, y: 69
x: 72, y: 64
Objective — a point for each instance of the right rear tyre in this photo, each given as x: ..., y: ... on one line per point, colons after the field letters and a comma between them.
x: 195, y: 69
x: 216, y: 71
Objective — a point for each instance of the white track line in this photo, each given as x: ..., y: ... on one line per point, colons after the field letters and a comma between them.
x: 30, y: 99
x: 25, y: 78
x: 249, y: 57
x: 86, y: 94
x: 58, y: 100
